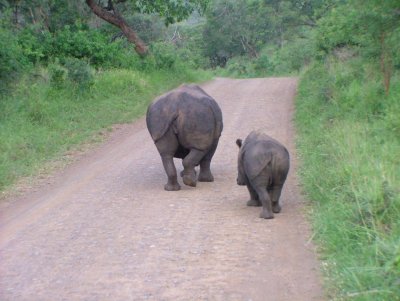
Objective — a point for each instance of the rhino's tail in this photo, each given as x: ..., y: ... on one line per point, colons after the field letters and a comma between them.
x: 158, y: 121
x: 217, y: 117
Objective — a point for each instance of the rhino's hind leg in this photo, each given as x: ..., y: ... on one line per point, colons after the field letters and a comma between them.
x: 259, y: 187
x: 205, y: 174
x: 189, y: 163
x: 254, y: 200
x: 275, y: 194
x: 169, y: 166
x: 183, y: 174
x: 266, y: 204
x: 167, y: 147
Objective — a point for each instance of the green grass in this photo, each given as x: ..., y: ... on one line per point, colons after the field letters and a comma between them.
x: 39, y: 123
x: 349, y: 144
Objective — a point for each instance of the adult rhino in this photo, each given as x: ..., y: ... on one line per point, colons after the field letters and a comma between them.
x: 263, y: 164
x: 185, y: 123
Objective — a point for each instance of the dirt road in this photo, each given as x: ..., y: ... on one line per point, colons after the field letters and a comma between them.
x: 104, y: 228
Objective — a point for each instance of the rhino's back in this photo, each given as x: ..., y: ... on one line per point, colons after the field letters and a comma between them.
x: 261, y: 150
x: 195, y: 116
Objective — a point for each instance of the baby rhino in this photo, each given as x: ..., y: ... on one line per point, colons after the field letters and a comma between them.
x: 263, y: 164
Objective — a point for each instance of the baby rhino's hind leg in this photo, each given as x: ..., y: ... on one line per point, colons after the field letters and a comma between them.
x: 275, y: 194
x: 254, y: 199
x: 260, y: 188
x: 260, y: 184
x: 266, y: 204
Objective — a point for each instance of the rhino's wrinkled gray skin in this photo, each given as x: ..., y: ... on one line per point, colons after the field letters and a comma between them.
x: 263, y: 164
x: 185, y: 123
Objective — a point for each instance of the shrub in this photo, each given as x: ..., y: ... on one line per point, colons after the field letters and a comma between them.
x: 292, y: 56
x: 58, y: 74
x: 238, y: 66
x: 12, y: 59
x: 77, y: 42
x: 79, y: 72
x: 34, y: 43
x: 81, y: 44
x: 263, y: 63
x: 163, y: 56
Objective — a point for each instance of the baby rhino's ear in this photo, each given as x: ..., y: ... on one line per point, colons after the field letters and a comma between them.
x: 239, y: 142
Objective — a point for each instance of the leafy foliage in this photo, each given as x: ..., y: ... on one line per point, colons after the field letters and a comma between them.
x: 65, y: 74
x: 79, y: 72
x: 12, y: 60
x: 236, y: 28
x: 163, y: 55
x: 171, y: 10
x: 58, y: 75
x: 150, y: 28
x: 231, y: 31
x: 51, y: 15
x: 74, y: 42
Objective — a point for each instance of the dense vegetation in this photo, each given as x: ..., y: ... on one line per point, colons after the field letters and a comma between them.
x: 63, y: 79
x: 65, y: 75
x: 349, y: 145
x: 348, y: 119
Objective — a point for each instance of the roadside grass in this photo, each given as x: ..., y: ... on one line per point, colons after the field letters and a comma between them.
x: 39, y: 122
x: 349, y: 147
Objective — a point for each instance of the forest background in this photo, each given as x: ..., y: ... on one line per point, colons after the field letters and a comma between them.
x: 70, y: 70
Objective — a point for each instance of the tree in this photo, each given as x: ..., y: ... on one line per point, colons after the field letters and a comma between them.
x: 371, y: 25
x: 380, y: 22
x: 234, y: 28
x: 171, y: 10
x: 244, y: 27
x: 50, y: 15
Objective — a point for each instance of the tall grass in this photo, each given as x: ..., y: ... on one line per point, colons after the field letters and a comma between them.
x: 40, y: 122
x: 287, y: 60
x: 349, y: 143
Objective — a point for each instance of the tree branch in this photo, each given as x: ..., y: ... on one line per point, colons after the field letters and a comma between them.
x: 117, y: 20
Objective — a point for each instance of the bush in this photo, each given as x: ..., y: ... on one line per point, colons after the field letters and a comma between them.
x: 239, y: 66
x: 82, y: 44
x: 73, y: 71
x: 76, y: 42
x: 12, y: 59
x: 58, y: 75
x: 79, y: 72
x: 190, y: 44
x: 263, y: 63
x: 337, y: 29
x: 190, y: 58
x: 293, y: 56
x: 34, y: 43
x: 290, y: 58
x: 162, y: 56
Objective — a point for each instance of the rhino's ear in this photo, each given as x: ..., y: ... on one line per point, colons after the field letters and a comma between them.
x: 239, y: 142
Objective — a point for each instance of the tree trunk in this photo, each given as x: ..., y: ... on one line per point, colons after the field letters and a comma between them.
x: 117, y: 20
x: 16, y: 6
x: 386, y: 64
x: 248, y: 47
